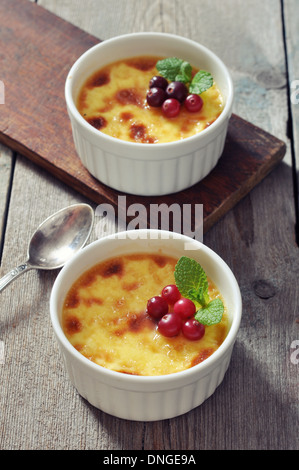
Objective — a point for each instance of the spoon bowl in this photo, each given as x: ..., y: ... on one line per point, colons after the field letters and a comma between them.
x: 56, y: 240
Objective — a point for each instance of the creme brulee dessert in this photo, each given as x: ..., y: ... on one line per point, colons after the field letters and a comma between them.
x: 105, y: 318
x: 114, y: 101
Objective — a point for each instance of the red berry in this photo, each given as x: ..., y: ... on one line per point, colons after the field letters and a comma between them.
x: 193, y: 330
x: 170, y: 325
x: 193, y: 103
x: 171, y: 107
x: 158, y: 81
x: 171, y: 293
x: 157, y: 307
x: 177, y: 90
x: 156, y: 97
x: 185, y: 308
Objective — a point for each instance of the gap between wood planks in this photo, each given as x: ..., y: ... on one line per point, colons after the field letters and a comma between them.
x: 289, y: 130
x: 7, y: 204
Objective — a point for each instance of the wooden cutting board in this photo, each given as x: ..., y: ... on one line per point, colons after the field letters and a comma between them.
x: 37, y: 50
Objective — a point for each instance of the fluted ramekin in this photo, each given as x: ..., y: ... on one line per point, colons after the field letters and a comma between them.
x: 144, y: 398
x: 140, y: 168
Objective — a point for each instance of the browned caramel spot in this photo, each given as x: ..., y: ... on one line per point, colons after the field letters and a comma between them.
x: 72, y: 300
x: 73, y: 325
x: 135, y: 323
x: 88, y: 278
x: 97, y: 122
x: 112, y: 267
x: 143, y: 63
x: 212, y: 120
x: 221, y: 334
x: 138, y: 256
x: 186, y: 126
x: 161, y: 261
x: 204, y: 354
x: 100, y: 355
x: 93, y: 300
x: 138, y: 133
x: 131, y: 286
x: 126, y: 116
x: 82, y: 99
x: 209, y: 123
x: 129, y: 96
x: 99, y: 79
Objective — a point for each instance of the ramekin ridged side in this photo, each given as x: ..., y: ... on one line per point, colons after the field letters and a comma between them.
x: 150, y: 404
x: 148, y: 177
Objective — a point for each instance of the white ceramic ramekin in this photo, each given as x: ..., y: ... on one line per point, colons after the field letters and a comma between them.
x: 144, y: 398
x: 148, y: 169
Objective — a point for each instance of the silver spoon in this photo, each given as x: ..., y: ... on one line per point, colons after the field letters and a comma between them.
x: 56, y: 240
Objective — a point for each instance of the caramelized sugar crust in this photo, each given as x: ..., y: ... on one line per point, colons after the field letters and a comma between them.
x: 113, y: 100
x: 104, y: 317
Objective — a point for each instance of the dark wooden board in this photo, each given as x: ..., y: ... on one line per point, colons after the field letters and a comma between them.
x: 37, y: 50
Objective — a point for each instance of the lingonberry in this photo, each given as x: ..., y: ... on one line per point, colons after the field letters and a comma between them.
x: 156, y: 97
x: 193, y: 103
x: 170, y: 325
x: 193, y: 330
x: 158, y: 81
x: 185, y: 308
x: 177, y: 90
x: 157, y: 307
x: 171, y: 294
x: 171, y: 107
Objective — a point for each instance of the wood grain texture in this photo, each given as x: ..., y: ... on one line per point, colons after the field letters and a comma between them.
x: 256, y: 406
x: 249, y: 155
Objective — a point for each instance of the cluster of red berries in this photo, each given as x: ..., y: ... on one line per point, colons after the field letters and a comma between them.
x: 175, y: 313
x: 170, y: 96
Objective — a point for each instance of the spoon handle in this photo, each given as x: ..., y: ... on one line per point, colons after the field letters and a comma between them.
x: 13, y: 274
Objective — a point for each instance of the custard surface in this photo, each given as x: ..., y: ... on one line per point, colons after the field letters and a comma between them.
x: 113, y: 100
x: 104, y: 318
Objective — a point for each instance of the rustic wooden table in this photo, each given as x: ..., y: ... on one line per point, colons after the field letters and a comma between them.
x: 256, y: 406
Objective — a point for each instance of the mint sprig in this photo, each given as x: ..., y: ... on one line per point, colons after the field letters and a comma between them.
x: 192, y: 282
x: 211, y: 314
x: 169, y: 68
x: 174, y: 69
x: 185, y: 73
x: 201, y: 82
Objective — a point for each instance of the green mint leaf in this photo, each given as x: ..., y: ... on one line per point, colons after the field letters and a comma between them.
x: 191, y: 280
x: 198, y: 296
x: 185, y: 73
x: 195, y: 295
x: 201, y: 82
x: 169, y: 68
x: 211, y: 314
